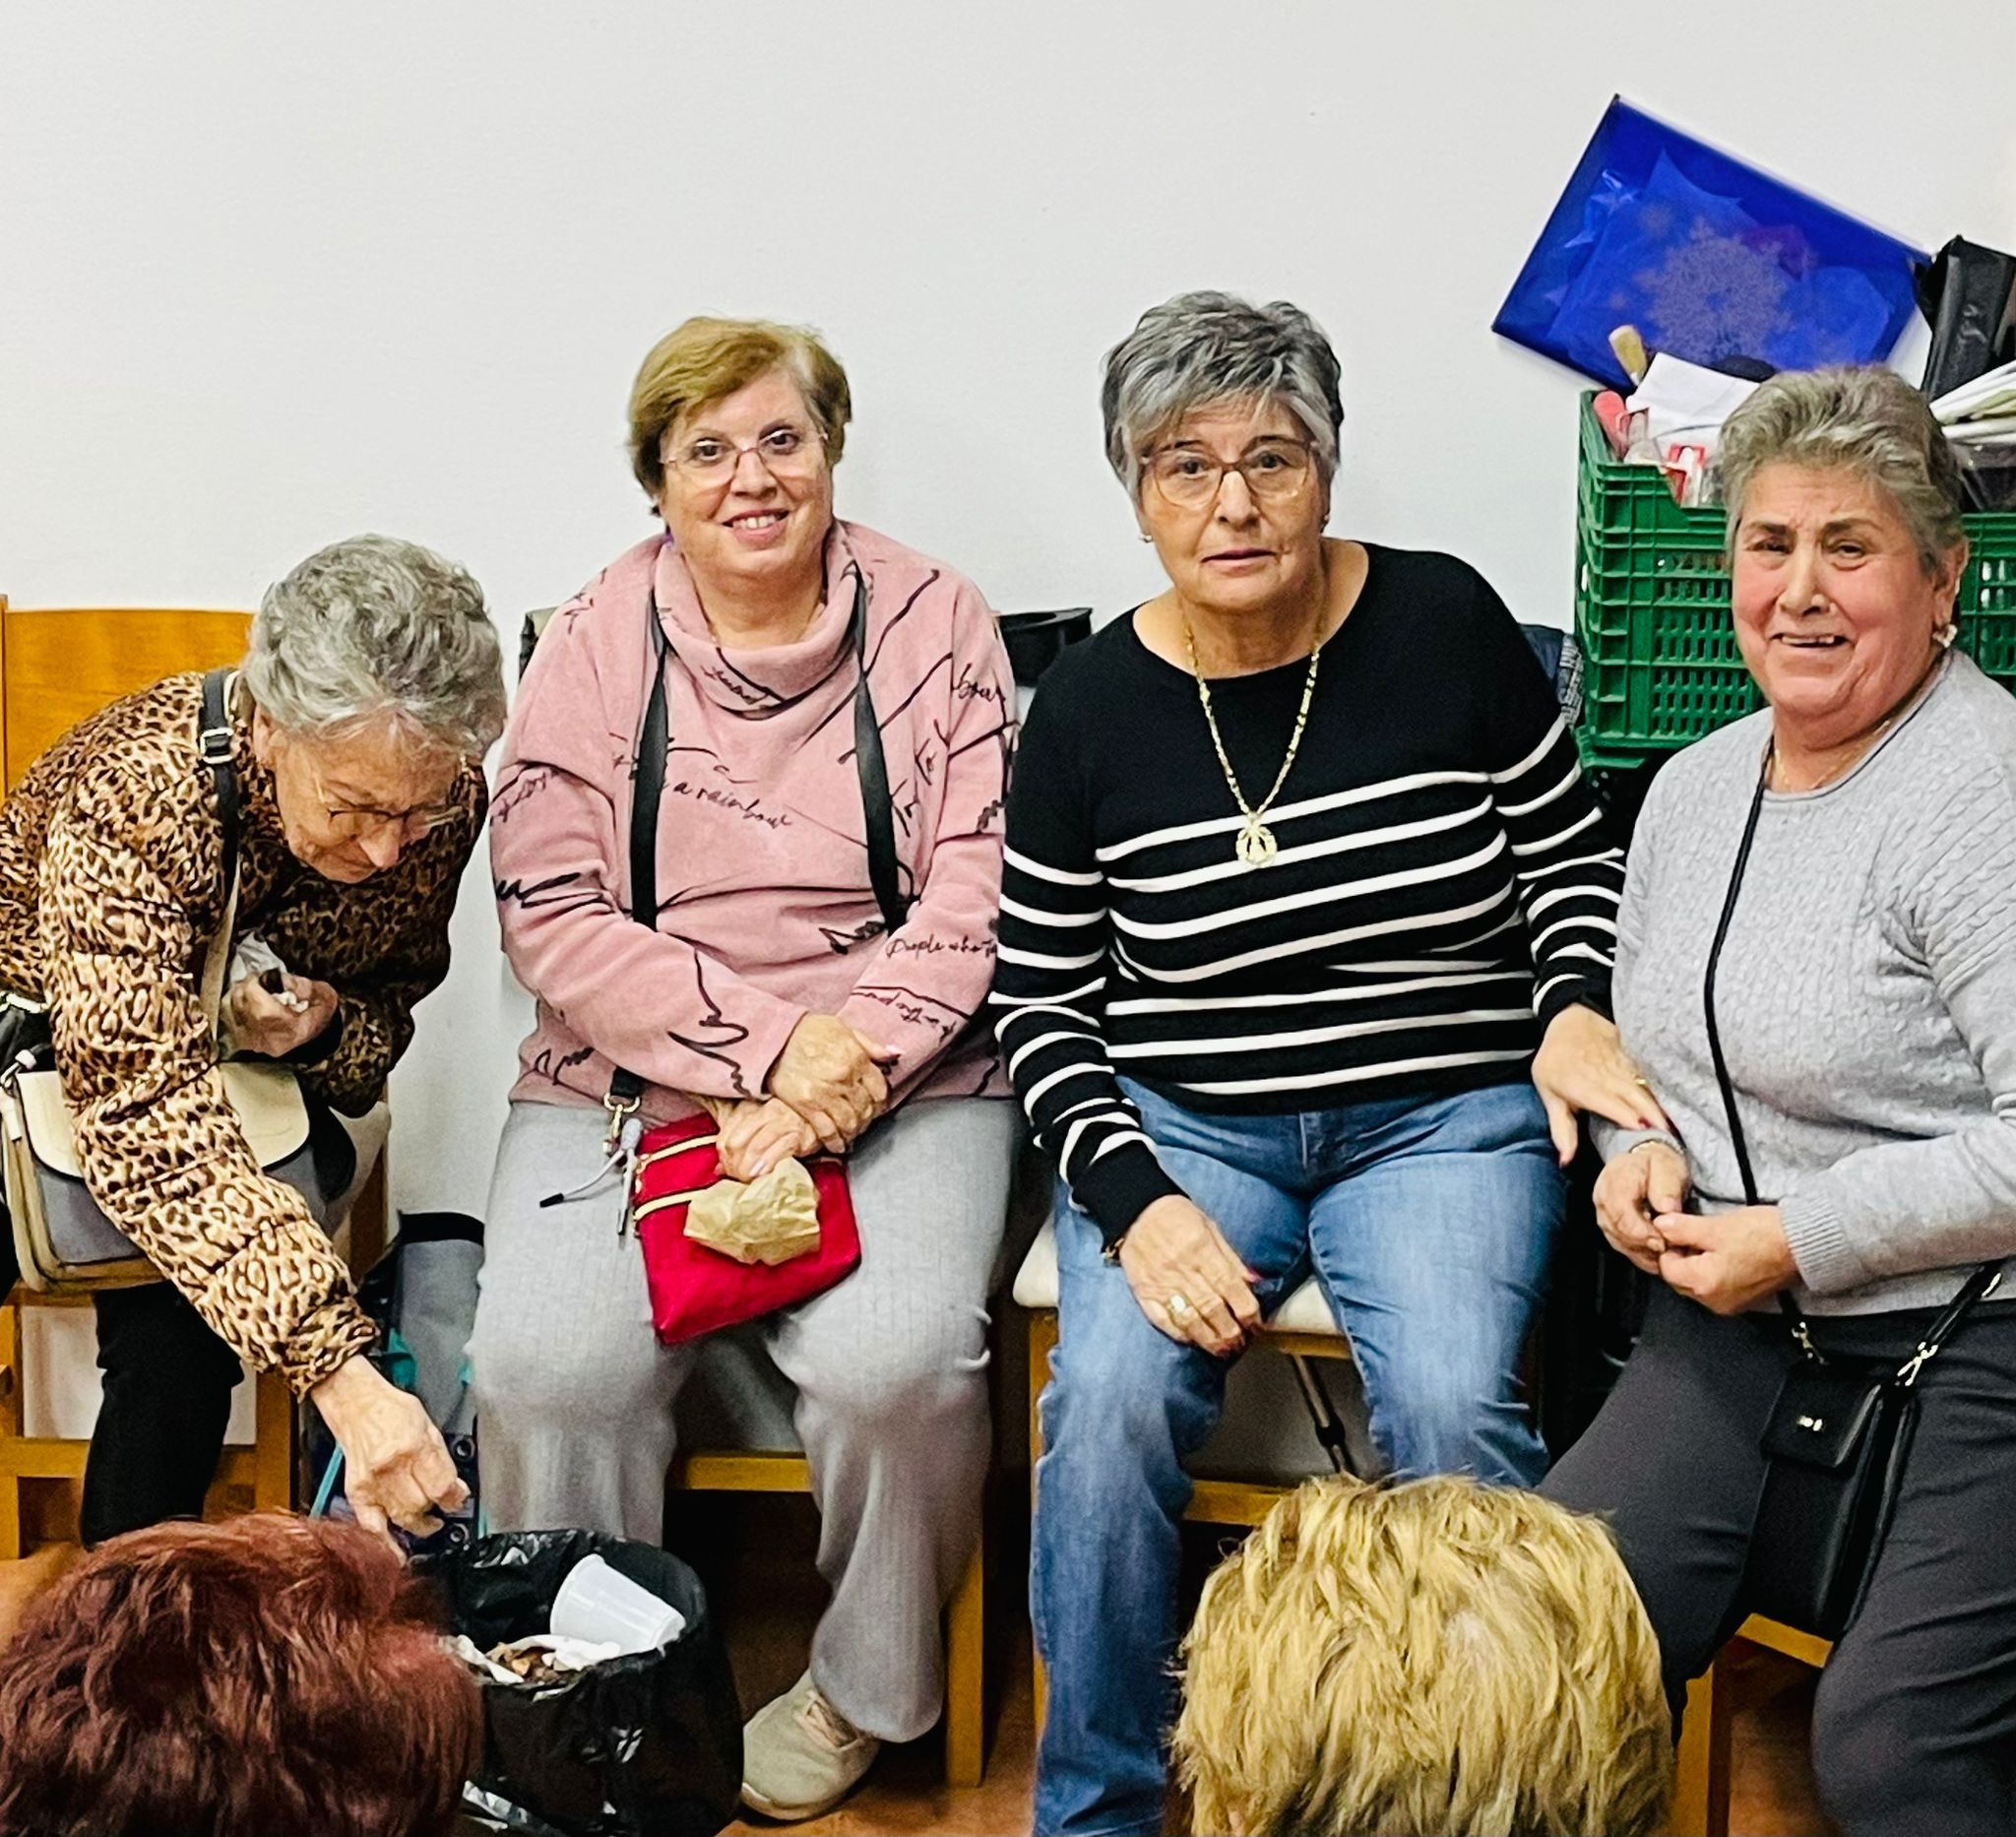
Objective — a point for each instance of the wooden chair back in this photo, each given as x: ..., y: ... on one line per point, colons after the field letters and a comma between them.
x: 59, y: 665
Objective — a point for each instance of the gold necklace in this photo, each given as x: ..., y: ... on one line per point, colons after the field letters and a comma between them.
x: 1256, y: 845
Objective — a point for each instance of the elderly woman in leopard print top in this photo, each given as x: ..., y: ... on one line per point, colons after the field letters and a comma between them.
x: 370, y: 693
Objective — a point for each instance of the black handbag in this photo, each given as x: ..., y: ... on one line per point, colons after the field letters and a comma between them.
x: 1840, y: 1432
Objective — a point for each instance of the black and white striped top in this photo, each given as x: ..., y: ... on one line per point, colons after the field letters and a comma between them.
x: 1443, y: 888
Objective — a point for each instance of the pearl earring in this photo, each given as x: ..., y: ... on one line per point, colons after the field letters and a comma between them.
x: 1944, y: 636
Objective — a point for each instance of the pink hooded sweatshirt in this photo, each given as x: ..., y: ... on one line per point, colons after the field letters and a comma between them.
x: 765, y: 908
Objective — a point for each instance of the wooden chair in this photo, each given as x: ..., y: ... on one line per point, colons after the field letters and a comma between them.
x: 1301, y: 1327
x: 1736, y: 1681
x: 57, y: 666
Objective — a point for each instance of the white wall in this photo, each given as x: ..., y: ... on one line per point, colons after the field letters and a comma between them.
x: 273, y: 275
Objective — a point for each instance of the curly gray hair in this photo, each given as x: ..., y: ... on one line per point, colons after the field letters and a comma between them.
x: 1201, y: 348
x: 1861, y: 419
x: 376, y: 628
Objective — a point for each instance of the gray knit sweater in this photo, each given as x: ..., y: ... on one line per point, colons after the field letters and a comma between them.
x: 1867, y: 994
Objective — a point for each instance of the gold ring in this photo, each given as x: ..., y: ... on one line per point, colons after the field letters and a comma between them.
x: 1644, y: 1084
x: 1178, y: 1306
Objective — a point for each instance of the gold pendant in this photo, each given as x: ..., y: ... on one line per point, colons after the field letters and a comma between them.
x: 1256, y: 845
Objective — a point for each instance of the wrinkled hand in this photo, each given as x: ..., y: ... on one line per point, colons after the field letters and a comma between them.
x: 758, y: 1135
x: 1175, y: 1249
x: 396, y: 1465
x: 1728, y: 1260
x: 258, y: 1021
x: 1582, y: 1065
x: 1632, y: 1191
x: 831, y: 1076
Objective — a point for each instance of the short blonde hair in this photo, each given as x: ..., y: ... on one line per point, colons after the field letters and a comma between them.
x: 705, y: 360
x: 1436, y: 1657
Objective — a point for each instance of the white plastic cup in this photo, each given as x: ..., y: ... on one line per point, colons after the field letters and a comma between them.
x: 603, y: 1606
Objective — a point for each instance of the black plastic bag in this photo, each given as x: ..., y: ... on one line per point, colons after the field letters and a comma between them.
x: 1967, y: 293
x: 644, y: 1746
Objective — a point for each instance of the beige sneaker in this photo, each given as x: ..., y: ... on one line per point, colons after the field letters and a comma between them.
x: 801, y: 1756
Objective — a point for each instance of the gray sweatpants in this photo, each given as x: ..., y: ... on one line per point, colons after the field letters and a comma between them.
x: 575, y: 1394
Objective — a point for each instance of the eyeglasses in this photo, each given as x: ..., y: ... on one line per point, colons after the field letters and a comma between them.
x: 1274, y: 470
x: 353, y: 822
x: 786, y: 452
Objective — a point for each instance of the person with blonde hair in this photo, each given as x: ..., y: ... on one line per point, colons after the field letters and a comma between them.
x: 787, y: 987
x: 1437, y: 1657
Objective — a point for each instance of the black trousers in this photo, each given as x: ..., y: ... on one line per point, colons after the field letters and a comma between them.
x: 1915, y: 1725
x: 167, y: 1402
x: 167, y: 1384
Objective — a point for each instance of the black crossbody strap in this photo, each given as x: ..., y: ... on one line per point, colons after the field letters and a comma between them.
x: 1979, y: 1280
x: 647, y: 793
x: 1738, y: 1141
x: 876, y: 809
x: 213, y: 745
x: 648, y: 787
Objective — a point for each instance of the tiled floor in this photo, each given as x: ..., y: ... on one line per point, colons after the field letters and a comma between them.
x: 736, y: 1541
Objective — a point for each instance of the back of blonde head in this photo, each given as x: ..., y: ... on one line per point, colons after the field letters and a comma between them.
x: 1436, y: 1657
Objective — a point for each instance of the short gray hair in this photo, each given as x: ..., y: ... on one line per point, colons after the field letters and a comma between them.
x: 373, y: 627
x: 1201, y: 348
x: 1861, y: 419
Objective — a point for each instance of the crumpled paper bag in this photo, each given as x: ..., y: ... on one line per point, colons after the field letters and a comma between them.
x: 765, y: 1221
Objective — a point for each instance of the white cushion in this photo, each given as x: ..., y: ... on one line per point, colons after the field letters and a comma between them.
x: 1035, y: 1287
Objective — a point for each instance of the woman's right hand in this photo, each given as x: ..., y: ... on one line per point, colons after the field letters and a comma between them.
x: 395, y: 1466
x: 828, y: 1073
x: 273, y: 1025
x: 759, y: 1134
x: 1186, y: 1278
x: 1632, y: 1191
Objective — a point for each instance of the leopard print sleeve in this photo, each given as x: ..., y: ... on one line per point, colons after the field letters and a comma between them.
x: 120, y: 933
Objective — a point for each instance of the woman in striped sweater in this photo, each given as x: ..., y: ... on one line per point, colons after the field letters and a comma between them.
x: 1304, y: 962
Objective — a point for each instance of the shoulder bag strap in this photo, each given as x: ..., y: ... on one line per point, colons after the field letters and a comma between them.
x: 883, y: 873
x: 214, y: 746
x: 1980, y: 1281
x: 649, y: 784
x: 647, y: 792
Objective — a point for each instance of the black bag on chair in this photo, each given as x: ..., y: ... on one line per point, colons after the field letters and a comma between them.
x: 1839, y: 1431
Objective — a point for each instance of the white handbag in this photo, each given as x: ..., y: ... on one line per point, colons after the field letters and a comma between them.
x: 62, y: 1238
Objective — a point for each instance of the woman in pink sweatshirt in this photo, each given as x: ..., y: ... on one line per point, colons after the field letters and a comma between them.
x: 775, y: 988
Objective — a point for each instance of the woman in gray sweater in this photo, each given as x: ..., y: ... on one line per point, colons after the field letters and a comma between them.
x: 1865, y: 999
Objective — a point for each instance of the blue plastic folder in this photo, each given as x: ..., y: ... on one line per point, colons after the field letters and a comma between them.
x: 1709, y: 258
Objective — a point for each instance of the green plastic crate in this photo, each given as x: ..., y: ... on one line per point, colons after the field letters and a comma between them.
x: 1659, y: 657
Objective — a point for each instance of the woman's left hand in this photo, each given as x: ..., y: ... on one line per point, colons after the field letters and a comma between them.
x: 1582, y: 1065
x: 1726, y: 1261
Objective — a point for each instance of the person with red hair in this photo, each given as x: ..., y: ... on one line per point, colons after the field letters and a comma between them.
x: 271, y: 1674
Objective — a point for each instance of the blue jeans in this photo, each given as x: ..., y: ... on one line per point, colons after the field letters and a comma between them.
x: 1428, y: 1223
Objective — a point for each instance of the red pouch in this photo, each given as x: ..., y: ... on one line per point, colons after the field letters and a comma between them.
x: 697, y: 1289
